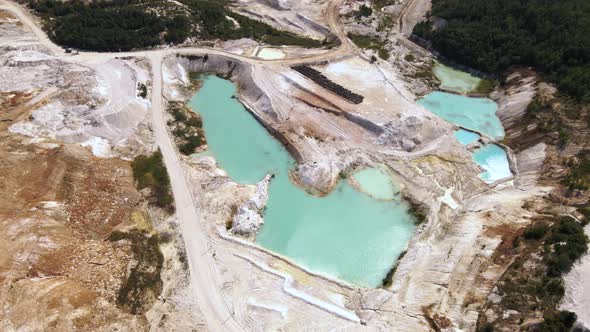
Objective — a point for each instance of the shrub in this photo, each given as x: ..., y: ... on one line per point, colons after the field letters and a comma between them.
x: 409, y: 57
x: 536, y: 231
x: 487, y: 327
x: 569, y: 243
x: 559, y: 321
x: 485, y: 87
x: 383, y: 53
x: 363, y: 11
x: 188, y: 129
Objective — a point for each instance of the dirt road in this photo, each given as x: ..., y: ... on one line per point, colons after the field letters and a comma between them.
x: 345, y: 48
x: 217, y: 313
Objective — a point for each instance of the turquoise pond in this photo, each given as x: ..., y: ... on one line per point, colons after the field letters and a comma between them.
x: 376, y: 182
x: 466, y: 137
x: 347, y: 235
x: 493, y: 159
x: 476, y: 114
x: 472, y: 113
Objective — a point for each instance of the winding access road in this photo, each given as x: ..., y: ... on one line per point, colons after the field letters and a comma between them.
x: 217, y: 313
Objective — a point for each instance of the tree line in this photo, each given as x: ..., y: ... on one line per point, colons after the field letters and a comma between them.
x: 493, y: 35
x: 122, y: 25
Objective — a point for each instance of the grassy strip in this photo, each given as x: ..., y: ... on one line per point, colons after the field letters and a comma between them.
x: 150, y: 172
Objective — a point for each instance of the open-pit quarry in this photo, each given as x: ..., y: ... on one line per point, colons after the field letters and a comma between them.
x: 328, y: 194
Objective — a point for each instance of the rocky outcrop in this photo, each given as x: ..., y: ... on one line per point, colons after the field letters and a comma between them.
x: 248, y: 218
x: 405, y: 133
x: 513, y: 99
x: 236, y: 71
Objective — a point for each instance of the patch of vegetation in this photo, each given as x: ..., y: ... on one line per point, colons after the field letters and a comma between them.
x: 536, y: 231
x: 567, y: 242
x: 363, y: 11
x: 578, y: 177
x: 143, y: 285
x: 188, y: 128
x: 150, y: 172
x: 117, y: 25
x: 142, y: 90
x: 418, y: 210
x: 385, y: 23
x: 485, y: 87
x: 379, y: 4
x: 425, y: 73
x: 122, y: 25
x: 533, y: 284
x: 372, y: 43
x: 214, y: 23
x: 409, y: 57
x: 493, y: 35
x: 536, y: 106
x: 585, y: 211
x: 487, y: 327
x: 388, y: 279
x: 558, y: 321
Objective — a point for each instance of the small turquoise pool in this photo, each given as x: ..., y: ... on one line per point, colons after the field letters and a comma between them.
x: 376, y: 182
x: 347, y: 235
x: 477, y: 114
x: 466, y: 137
x: 495, y: 162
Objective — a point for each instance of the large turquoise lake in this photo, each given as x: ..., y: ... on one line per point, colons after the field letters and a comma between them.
x: 348, y: 234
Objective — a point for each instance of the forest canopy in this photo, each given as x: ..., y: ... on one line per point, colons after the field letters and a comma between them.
x: 492, y: 35
x: 122, y: 25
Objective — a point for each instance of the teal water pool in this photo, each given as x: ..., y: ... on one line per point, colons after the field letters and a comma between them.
x: 495, y: 162
x: 455, y: 80
x: 346, y: 235
x: 472, y: 113
x: 376, y: 182
x: 466, y: 137
x: 475, y: 114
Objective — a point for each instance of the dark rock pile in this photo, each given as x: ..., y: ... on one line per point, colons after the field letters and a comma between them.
x: 326, y: 83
